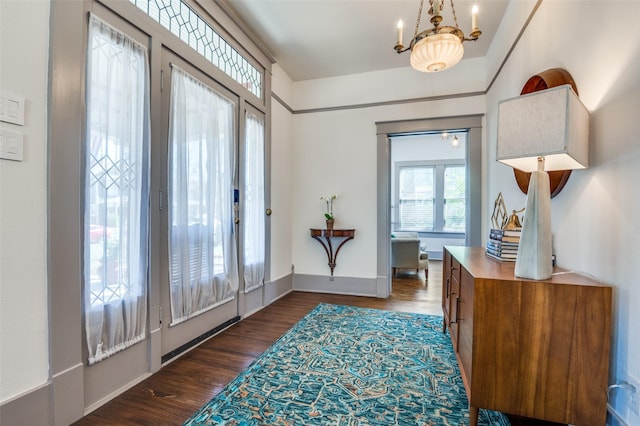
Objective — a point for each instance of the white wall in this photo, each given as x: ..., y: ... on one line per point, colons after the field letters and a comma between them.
x: 24, y: 352
x: 595, y: 217
x: 335, y: 153
x: 281, y: 175
x: 389, y: 85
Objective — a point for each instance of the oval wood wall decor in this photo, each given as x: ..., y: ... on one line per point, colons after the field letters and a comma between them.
x: 550, y: 78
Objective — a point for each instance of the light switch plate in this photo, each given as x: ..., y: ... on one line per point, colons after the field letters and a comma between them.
x: 12, y: 108
x: 11, y: 145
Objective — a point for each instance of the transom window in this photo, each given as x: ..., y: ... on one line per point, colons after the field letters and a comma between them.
x: 183, y: 22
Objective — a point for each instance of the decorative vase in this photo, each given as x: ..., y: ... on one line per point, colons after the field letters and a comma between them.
x: 329, y: 223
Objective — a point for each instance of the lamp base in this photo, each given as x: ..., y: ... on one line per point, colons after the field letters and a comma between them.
x: 534, y: 260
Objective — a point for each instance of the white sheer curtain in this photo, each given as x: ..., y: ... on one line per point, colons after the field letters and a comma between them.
x: 202, y: 249
x: 253, y: 206
x: 116, y: 194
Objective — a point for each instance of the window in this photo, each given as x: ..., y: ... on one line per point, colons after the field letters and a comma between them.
x: 416, y: 198
x: 431, y: 196
x: 454, y: 198
x: 116, y: 194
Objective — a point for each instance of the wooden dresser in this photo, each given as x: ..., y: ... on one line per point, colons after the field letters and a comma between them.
x: 537, y: 349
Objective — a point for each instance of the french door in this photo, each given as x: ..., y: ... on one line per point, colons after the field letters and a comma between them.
x: 214, y: 158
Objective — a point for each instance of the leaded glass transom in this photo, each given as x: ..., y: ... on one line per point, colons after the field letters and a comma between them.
x: 183, y: 22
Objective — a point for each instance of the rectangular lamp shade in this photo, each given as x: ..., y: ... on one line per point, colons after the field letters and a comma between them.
x: 551, y: 123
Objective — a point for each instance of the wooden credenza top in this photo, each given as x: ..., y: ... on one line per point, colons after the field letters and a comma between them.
x: 482, y: 266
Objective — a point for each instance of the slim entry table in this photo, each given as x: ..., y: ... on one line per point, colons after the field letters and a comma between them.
x: 326, y: 238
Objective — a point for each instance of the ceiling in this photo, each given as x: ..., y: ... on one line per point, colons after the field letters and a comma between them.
x: 313, y: 39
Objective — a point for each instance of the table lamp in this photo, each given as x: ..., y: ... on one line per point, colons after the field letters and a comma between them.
x: 538, y: 132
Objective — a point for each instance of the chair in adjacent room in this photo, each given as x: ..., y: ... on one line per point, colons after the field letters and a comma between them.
x: 406, y: 254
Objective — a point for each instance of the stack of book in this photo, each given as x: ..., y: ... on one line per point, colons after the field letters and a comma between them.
x: 503, y: 244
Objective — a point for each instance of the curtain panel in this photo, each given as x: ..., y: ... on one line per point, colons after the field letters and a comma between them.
x: 253, y: 205
x: 116, y: 191
x: 202, y: 249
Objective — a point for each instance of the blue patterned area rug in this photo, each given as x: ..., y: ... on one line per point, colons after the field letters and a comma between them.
x: 342, y: 365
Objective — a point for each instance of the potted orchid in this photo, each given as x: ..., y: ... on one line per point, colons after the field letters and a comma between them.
x: 329, y: 210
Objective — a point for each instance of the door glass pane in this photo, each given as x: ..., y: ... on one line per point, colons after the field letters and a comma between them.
x: 454, y: 198
x: 116, y: 191
x: 253, y: 206
x: 416, y: 198
x: 202, y: 249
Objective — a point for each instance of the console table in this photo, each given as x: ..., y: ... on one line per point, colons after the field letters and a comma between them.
x: 537, y: 349
x: 325, y: 237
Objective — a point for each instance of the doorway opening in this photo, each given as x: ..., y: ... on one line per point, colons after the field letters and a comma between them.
x: 407, y: 205
x: 428, y: 188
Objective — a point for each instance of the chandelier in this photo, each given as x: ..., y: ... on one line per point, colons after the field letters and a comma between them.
x: 440, y: 47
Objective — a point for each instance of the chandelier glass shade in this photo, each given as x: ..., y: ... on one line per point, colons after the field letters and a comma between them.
x: 436, y: 52
x: 439, y: 47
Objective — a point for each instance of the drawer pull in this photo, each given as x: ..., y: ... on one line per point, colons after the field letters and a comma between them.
x: 457, y: 309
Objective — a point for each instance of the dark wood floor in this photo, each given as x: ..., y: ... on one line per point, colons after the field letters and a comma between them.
x: 174, y: 393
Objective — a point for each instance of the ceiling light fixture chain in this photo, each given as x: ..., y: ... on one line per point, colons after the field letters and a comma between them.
x: 440, y: 47
x: 453, y: 12
x: 415, y: 33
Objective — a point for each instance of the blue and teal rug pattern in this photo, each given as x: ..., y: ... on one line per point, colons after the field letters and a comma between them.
x: 342, y: 365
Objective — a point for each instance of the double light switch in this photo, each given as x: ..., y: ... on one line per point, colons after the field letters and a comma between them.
x: 11, y: 111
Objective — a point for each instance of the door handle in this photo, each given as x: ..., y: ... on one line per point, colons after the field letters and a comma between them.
x: 268, y: 212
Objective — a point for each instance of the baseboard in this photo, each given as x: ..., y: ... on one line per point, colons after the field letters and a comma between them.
x: 166, y: 358
x: 277, y: 288
x: 29, y: 408
x: 115, y: 393
x: 350, y: 286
